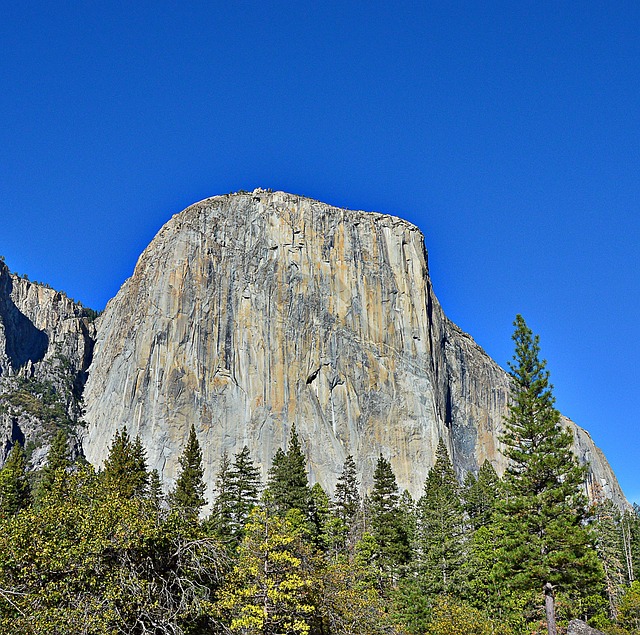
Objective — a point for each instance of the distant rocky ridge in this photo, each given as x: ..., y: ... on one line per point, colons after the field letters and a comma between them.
x: 46, y: 346
x: 250, y: 312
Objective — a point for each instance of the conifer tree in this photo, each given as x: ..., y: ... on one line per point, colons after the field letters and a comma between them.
x: 606, y: 528
x: 58, y: 462
x: 222, y: 513
x: 441, y: 528
x: 155, y: 490
x: 320, y: 517
x: 387, y: 526
x: 125, y: 469
x: 188, y: 494
x: 288, y: 484
x: 546, y: 545
x: 347, y: 506
x: 15, y: 492
x: 481, y: 495
x: 244, y: 485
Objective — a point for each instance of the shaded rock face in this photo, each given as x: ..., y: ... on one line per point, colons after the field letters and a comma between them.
x: 45, y: 340
x: 251, y: 312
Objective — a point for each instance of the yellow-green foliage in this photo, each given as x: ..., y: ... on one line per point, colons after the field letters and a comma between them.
x: 456, y: 618
x: 270, y: 587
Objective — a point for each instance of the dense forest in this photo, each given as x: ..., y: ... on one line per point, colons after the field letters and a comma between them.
x: 107, y: 552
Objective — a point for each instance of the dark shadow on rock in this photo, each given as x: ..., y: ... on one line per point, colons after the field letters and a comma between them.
x: 24, y: 342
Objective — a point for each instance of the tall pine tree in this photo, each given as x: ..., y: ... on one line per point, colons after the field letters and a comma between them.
x: 288, y: 484
x: 245, y: 484
x: 347, y: 506
x: 188, y: 495
x: 546, y: 545
x: 441, y: 528
x: 388, y: 527
x: 54, y: 474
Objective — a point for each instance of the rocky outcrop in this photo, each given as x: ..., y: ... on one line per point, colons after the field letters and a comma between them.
x: 46, y: 346
x: 578, y: 627
x: 251, y: 312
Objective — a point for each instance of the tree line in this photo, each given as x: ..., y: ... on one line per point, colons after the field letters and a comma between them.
x: 104, y: 552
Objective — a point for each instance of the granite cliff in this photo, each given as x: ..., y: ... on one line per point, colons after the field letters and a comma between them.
x: 248, y: 313
x: 46, y: 346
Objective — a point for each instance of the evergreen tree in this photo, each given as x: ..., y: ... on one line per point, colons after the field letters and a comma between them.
x: 188, y: 494
x: 348, y: 506
x: 630, y: 538
x: 155, y: 494
x: 125, y: 469
x: 54, y: 473
x: 244, y: 485
x: 606, y: 528
x: 441, y: 528
x: 481, y: 495
x: 546, y: 545
x: 388, y: 528
x: 15, y: 492
x: 288, y: 485
x: 222, y: 513
x: 320, y: 517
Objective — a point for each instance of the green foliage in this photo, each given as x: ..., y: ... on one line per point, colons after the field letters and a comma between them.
x: 15, y: 491
x: 188, y: 495
x: 100, y: 563
x: 441, y: 528
x: 270, y: 589
x: 53, y: 475
x: 629, y: 609
x: 388, y: 527
x: 244, y: 486
x: 481, y: 495
x: 541, y: 519
x: 347, y: 508
x: 452, y: 617
x: 125, y: 469
x: 288, y: 484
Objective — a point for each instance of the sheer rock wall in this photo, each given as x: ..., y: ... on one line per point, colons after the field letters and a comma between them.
x: 251, y: 312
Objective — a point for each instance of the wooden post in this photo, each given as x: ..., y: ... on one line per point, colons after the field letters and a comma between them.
x: 550, y: 609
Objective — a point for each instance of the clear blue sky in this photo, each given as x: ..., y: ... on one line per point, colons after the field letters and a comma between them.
x: 509, y: 132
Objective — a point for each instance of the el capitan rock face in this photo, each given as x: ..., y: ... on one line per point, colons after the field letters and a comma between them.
x: 251, y: 312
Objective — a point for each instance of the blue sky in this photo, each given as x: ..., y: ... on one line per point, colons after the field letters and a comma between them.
x: 509, y: 132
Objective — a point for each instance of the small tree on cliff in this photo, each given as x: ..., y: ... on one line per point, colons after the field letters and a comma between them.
x: 546, y: 545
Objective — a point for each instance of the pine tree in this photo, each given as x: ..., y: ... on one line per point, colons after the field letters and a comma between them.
x: 222, y: 513
x: 387, y: 525
x: 481, y: 495
x: 54, y: 473
x: 347, y: 506
x: 441, y: 528
x: 547, y: 546
x: 188, y: 494
x: 288, y: 485
x: 125, y: 469
x: 606, y: 528
x: 155, y: 493
x: 320, y: 517
x: 244, y: 484
x: 15, y: 492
